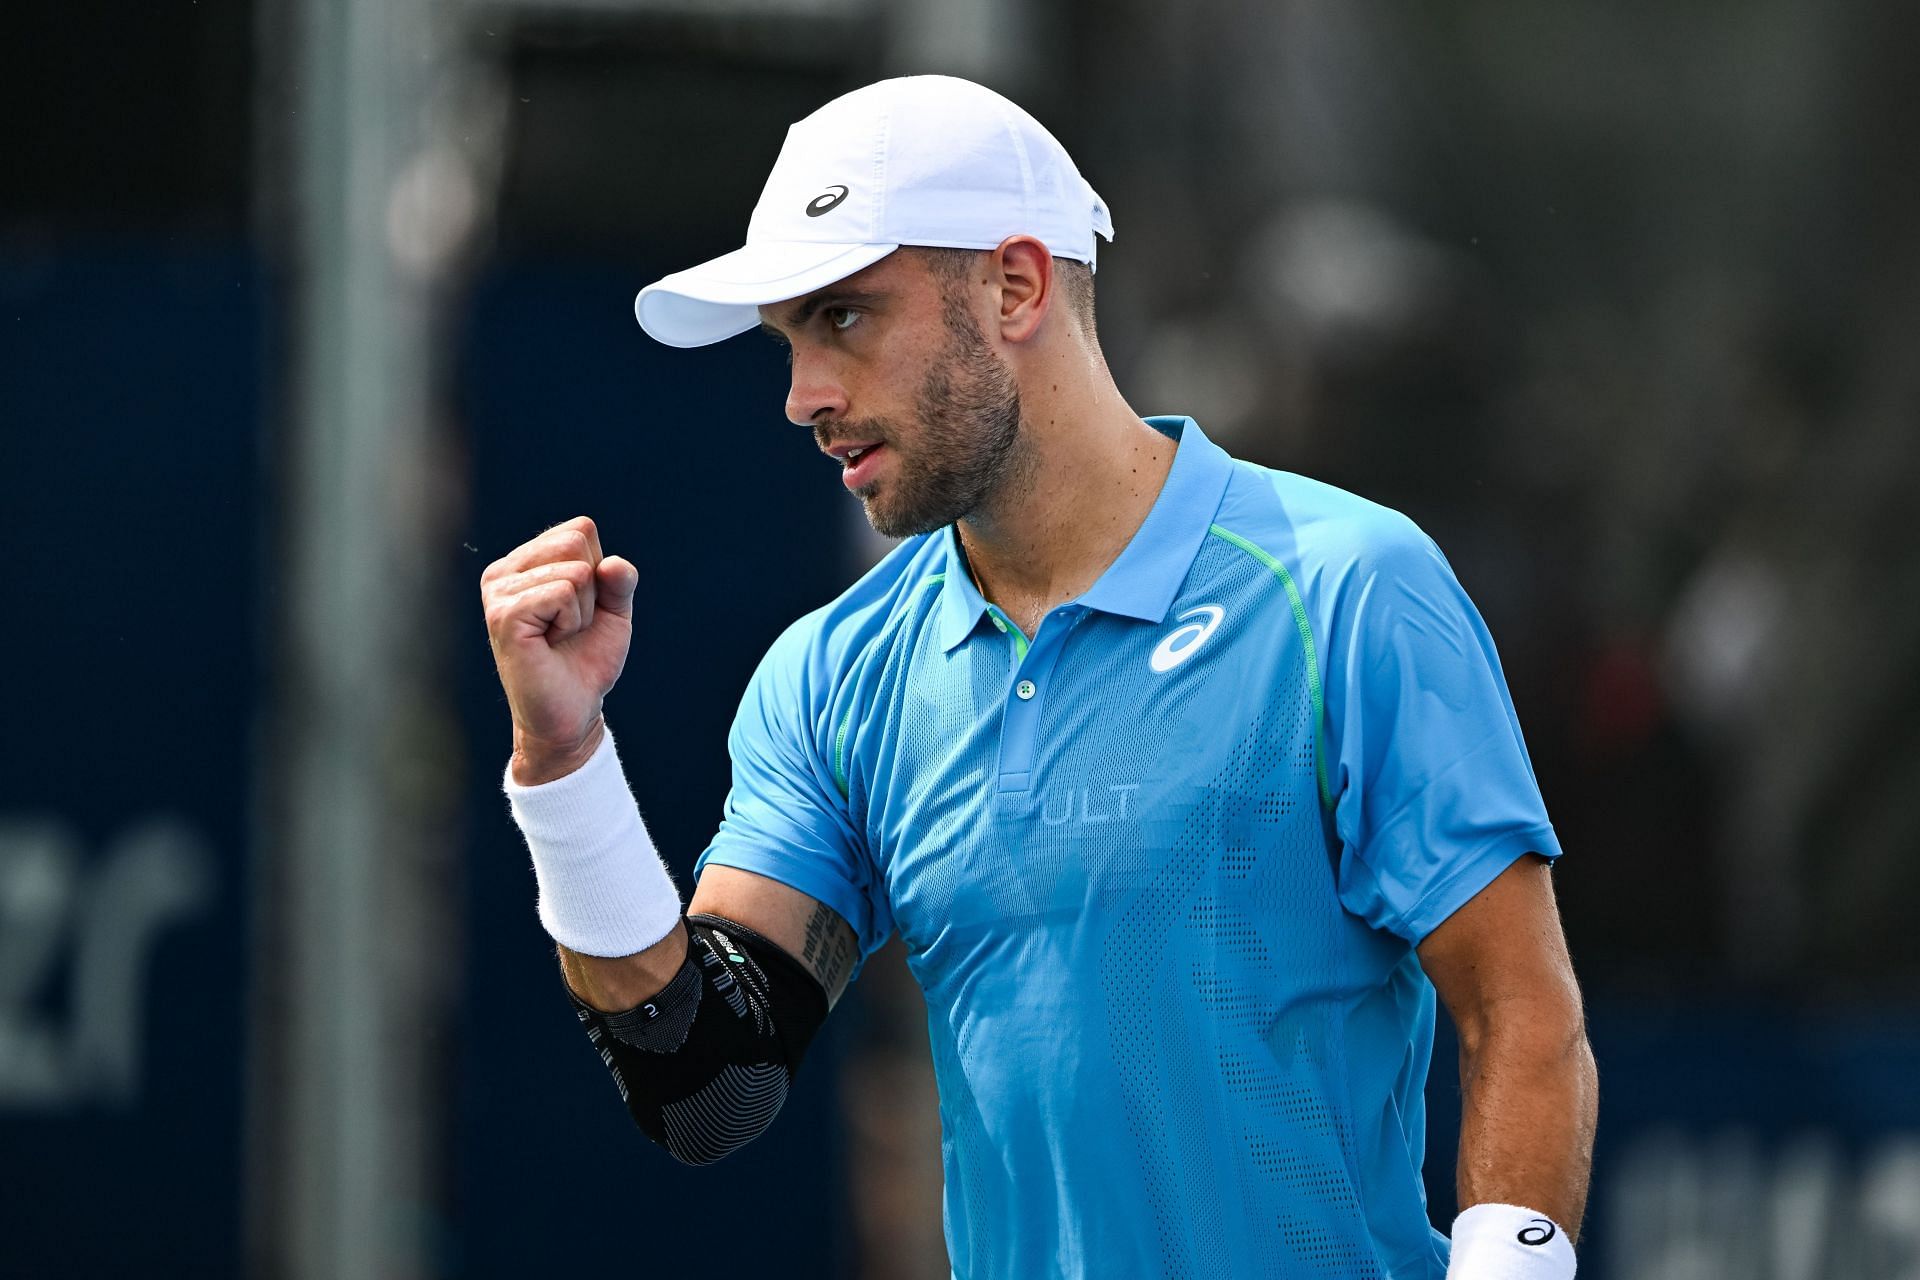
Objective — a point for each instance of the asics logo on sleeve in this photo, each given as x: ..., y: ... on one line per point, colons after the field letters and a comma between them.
x: 1181, y: 642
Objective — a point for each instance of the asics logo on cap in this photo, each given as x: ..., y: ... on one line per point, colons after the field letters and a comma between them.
x: 827, y: 201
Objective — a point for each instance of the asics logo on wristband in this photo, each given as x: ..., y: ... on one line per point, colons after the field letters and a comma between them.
x: 1536, y: 1235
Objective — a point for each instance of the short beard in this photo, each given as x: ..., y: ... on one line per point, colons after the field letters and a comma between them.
x: 969, y: 442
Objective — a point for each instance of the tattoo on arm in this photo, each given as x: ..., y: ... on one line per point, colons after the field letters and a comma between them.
x: 828, y: 953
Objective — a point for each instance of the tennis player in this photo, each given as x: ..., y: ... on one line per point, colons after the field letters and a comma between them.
x: 1186, y: 782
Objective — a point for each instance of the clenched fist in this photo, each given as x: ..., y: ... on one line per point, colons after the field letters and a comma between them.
x: 560, y: 618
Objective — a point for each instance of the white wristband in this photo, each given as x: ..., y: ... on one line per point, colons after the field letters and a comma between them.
x: 603, y: 890
x: 1507, y: 1242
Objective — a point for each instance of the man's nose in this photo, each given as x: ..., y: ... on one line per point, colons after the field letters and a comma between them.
x: 815, y: 393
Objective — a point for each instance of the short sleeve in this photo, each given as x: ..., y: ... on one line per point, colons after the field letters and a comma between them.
x: 1434, y: 795
x: 785, y: 817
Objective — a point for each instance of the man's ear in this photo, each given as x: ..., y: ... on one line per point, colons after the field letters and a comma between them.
x: 1025, y: 270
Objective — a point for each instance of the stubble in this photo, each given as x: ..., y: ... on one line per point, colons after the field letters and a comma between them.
x: 969, y: 447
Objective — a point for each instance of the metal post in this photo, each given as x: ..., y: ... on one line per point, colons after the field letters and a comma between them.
x: 356, y: 945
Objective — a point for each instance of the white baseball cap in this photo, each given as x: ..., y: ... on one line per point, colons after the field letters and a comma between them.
x: 921, y: 160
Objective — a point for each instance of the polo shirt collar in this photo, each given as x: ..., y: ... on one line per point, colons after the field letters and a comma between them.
x: 1144, y: 579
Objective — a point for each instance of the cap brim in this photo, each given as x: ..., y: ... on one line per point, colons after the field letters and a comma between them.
x: 718, y: 299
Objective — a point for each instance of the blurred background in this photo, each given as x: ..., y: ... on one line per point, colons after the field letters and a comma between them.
x: 311, y: 308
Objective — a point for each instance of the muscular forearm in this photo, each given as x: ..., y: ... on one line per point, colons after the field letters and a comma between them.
x: 618, y: 983
x: 1529, y: 1105
x: 702, y: 1019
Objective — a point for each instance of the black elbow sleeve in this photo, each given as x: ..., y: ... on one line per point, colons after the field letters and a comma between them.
x: 704, y: 1066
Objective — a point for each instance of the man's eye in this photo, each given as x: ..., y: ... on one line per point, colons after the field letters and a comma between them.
x: 842, y: 318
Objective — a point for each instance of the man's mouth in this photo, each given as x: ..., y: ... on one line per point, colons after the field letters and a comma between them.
x: 860, y: 463
x: 859, y: 459
x: 848, y: 450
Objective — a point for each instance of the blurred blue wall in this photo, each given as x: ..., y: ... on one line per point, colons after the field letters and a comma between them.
x: 130, y: 507
x: 1791, y: 1128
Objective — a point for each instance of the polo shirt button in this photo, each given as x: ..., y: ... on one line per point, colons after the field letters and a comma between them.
x: 1024, y: 689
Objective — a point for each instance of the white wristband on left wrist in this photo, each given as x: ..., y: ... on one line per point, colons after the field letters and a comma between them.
x: 1509, y: 1242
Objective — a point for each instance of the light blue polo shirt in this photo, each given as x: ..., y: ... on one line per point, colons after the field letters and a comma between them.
x: 1160, y: 869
